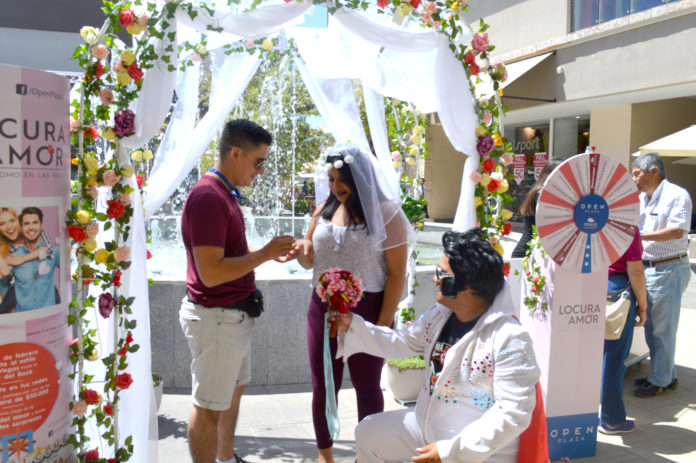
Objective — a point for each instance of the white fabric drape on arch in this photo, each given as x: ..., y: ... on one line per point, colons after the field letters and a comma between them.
x: 409, y: 63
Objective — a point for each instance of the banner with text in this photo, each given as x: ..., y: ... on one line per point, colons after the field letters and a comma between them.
x: 35, y: 388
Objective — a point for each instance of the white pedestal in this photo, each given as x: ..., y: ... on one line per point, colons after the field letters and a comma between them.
x: 568, y: 343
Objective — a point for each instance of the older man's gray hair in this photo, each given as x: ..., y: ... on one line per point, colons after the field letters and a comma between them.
x: 649, y: 161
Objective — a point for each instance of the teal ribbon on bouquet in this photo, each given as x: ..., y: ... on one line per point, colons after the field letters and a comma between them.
x: 331, y: 407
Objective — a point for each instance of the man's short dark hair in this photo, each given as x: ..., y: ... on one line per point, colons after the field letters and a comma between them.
x: 475, y: 263
x: 30, y: 211
x: 242, y: 133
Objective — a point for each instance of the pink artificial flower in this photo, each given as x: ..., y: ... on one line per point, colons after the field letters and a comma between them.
x: 100, y: 51
x: 475, y: 176
x: 487, y: 117
x: 74, y: 125
x: 430, y: 7
x: 426, y: 17
x: 480, y: 42
x: 121, y: 254
x: 396, y: 156
x: 110, y: 178
x: 485, y: 145
x: 196, y: 57
x: 437, y: 24
x: 92, y: 192
x: 140, y: 180
x: 250, y: 43
x: 502, y: 71
x: 506, y: 159
x: 106, y: 96
x: 118, y: 66
x: 142, y: 20
x: 92, y: 229
x: 80, y: 408
x: 382, y: 3
x: 123, y: 199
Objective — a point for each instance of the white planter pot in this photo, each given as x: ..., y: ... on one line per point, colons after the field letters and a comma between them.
x: 159, y: 389
x: 406, y: 384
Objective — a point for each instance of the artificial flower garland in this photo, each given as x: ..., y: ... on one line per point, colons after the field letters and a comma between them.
x: 113, y: 77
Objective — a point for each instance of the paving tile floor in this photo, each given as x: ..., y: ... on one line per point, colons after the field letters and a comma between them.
x: 275, y: 423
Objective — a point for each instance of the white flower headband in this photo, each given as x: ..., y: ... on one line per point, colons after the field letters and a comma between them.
x: 348, y: 159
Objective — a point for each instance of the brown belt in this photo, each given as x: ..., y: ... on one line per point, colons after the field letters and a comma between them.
x: 652, y: 263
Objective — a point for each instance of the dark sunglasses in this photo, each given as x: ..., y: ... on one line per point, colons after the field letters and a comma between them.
x: 447, y: 282
x: 259, y: 163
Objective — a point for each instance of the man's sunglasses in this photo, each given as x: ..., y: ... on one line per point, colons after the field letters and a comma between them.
x: 259, y: 163
x: 446, y: 281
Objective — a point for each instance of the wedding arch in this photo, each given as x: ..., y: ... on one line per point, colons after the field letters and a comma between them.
x: 421, y: 52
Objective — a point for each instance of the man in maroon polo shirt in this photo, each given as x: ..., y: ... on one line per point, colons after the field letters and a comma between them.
x: 217, y: 314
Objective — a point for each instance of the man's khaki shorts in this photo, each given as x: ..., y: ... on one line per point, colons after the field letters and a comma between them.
x: 219, y: 340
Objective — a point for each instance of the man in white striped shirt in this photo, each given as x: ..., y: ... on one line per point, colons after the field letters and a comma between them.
x: 665, y: 219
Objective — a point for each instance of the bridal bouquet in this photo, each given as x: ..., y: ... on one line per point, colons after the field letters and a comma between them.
x: 341, y: 290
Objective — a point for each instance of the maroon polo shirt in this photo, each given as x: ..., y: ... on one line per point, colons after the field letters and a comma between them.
x: 213, y: 217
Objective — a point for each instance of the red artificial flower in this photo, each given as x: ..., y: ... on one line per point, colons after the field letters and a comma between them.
x: 92, y: 455
x: 91, y: 134
x: 123, y: 351
x: 77, y: 233
x: 469, y: 58
x: 382, y: 3
x: 108, y: 410
x: 535, y: 289
x: 111, y: 460
x: 139, y: 179
x: 507, y: 228
x: 116, y: 280
x: 115, y: 210
x: 135, y: 72
x: 124, y: 380
x: 148, y: 255
x: 535, y: 280
x: 474, y: 69
x: 488, y: 165
x: 415, y: 3
x: 493, y: 185
x: 527, y: 272
x: 129, y: 338
x: 91, y: 396
x: 126, y: 18
x: 506, y: 269
x: 98, y: 70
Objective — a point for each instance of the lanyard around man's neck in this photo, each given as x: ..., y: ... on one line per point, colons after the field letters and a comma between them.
x: 233, y: 190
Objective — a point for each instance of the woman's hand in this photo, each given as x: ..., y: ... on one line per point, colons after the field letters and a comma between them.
x: 304, y: 250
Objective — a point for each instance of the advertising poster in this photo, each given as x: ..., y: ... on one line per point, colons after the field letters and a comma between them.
x: 519, y: 165
x: 538, y: 163
x: 35, y: 388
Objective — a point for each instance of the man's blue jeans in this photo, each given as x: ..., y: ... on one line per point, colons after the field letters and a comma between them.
x: 666, y: 284
x: 615, y: 353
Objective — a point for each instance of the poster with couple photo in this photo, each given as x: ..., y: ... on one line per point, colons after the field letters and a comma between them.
x: 29, y: 257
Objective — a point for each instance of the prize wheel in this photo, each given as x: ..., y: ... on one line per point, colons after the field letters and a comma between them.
x: 587, y: 213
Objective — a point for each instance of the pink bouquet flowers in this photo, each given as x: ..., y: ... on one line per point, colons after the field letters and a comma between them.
x: 341, y: 290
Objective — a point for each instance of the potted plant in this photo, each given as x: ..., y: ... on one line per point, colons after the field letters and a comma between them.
x: 157, y: 383
x: 406, y: 376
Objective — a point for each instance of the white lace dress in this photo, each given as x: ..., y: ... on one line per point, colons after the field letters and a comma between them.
x: 348, y: 248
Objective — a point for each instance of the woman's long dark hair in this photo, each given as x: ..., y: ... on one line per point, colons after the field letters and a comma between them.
x: 528, y: 207
x: 353, y: 205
